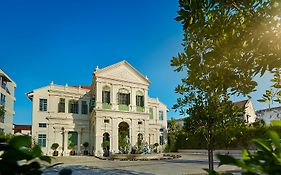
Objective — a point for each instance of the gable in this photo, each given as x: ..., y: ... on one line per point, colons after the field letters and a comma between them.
x: 122, y: 71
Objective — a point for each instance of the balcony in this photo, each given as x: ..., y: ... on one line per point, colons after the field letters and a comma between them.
x: 106, y: 106
x: 140, y: 109
x: 123, y: 107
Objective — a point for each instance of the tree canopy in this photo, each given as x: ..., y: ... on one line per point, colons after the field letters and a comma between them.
x: 226, y: 44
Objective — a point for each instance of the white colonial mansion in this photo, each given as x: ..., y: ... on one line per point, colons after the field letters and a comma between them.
x: 115, y: 107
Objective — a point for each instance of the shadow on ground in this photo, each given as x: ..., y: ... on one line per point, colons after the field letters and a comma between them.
x: 85, y: 170
x: 188, y: 161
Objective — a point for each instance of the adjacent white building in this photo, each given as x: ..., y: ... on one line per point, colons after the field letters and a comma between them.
x: 114, y: 109
x: 7, y: 99
x: 267, y: 115
x: 249, y: 113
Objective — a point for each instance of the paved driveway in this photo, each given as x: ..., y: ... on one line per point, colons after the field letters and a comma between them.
x: 189, y: 163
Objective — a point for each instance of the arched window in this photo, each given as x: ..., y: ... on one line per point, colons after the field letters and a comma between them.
x: 139, y: 99
x: 123, y: 97
x: 106, y: 94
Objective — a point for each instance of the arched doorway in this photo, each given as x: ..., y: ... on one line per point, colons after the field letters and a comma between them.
x: 123, y: 137
x: 106, y: 144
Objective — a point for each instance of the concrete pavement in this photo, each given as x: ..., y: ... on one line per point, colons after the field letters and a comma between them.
x: 189, y: 163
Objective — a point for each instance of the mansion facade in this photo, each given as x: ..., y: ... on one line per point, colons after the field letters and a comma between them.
x: 115, y: 109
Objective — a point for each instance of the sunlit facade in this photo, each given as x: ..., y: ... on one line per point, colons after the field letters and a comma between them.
x: 117, y: 102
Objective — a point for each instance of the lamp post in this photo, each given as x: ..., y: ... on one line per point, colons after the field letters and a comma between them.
x: 62, y: 132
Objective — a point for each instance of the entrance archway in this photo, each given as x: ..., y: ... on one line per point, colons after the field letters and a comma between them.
x: 123, y: 137
x: 106, y: 144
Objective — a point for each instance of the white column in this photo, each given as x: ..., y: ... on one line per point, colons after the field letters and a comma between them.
x: 65, y: 134
x: 99, y: 95
x: 133, y: 99
x: 114, y: 146
x: 79, y: 143
x: 114, y: 90
x: 146, y: 130
x: 98, y: 147
x: 134, y: 132
x: 145, y: 101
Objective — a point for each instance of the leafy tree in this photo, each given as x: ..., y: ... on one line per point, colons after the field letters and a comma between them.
x: 274, y: 93
x: 173, y: 132
x: 19, y: 149
x: 212, y: 116
x: 2, y: 110
x: 266, y: 160
x: 226, y: 44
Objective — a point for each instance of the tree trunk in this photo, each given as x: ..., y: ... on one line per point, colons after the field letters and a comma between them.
x: 210, y: 150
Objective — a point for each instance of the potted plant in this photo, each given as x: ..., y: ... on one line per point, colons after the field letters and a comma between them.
x: 54, y: 147
x: 105, y: 145
x: 85, y: 145
x: 72, y: 146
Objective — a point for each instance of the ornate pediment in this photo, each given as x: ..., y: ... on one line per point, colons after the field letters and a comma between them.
x: 122, y: 71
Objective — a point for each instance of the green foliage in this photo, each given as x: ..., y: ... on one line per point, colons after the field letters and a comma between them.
x: 266, y: 160
x: 273, y: 94
x: 2, y: 111
x: 54, y: 146
x: 105, y: 144
x: 19, y: 149
x: 226, y: 44
x: 4, y: 138
x: 233, y: 138
x: 173, y: 132
x: 123, y: 135
x: 71, y: 145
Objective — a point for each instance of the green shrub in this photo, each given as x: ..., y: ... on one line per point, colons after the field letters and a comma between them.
x: 266, y: 160
x: 18, y: 148
x: 54, y: 146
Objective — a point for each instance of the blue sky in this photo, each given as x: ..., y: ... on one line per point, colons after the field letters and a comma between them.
x: 63, y: 41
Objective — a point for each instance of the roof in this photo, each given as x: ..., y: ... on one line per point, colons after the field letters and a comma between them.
x: 241, y: 103
x: 30, y: 94
x: 83, y: 87
x: 22, y: 127
x: 2, y: 73
x: 120, y: 63
x: 268, y: 109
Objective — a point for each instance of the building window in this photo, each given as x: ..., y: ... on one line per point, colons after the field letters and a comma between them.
x: 106, y: 121
x: 150, y: 113
x: 106, y: 97
x: 140, y: 100
x: 42, y: 140
x: 123, y: 99
x: 43, y: 104
x: 4, y: 84
x: 161, y: 115
x: 139, y: 122
x: 61, y: 105
x: 42, y: 125
x: 2, y: 99
x: 1, y: 131
x: 92, y: 103
x: 84, y: 107
x: 73, y: 106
